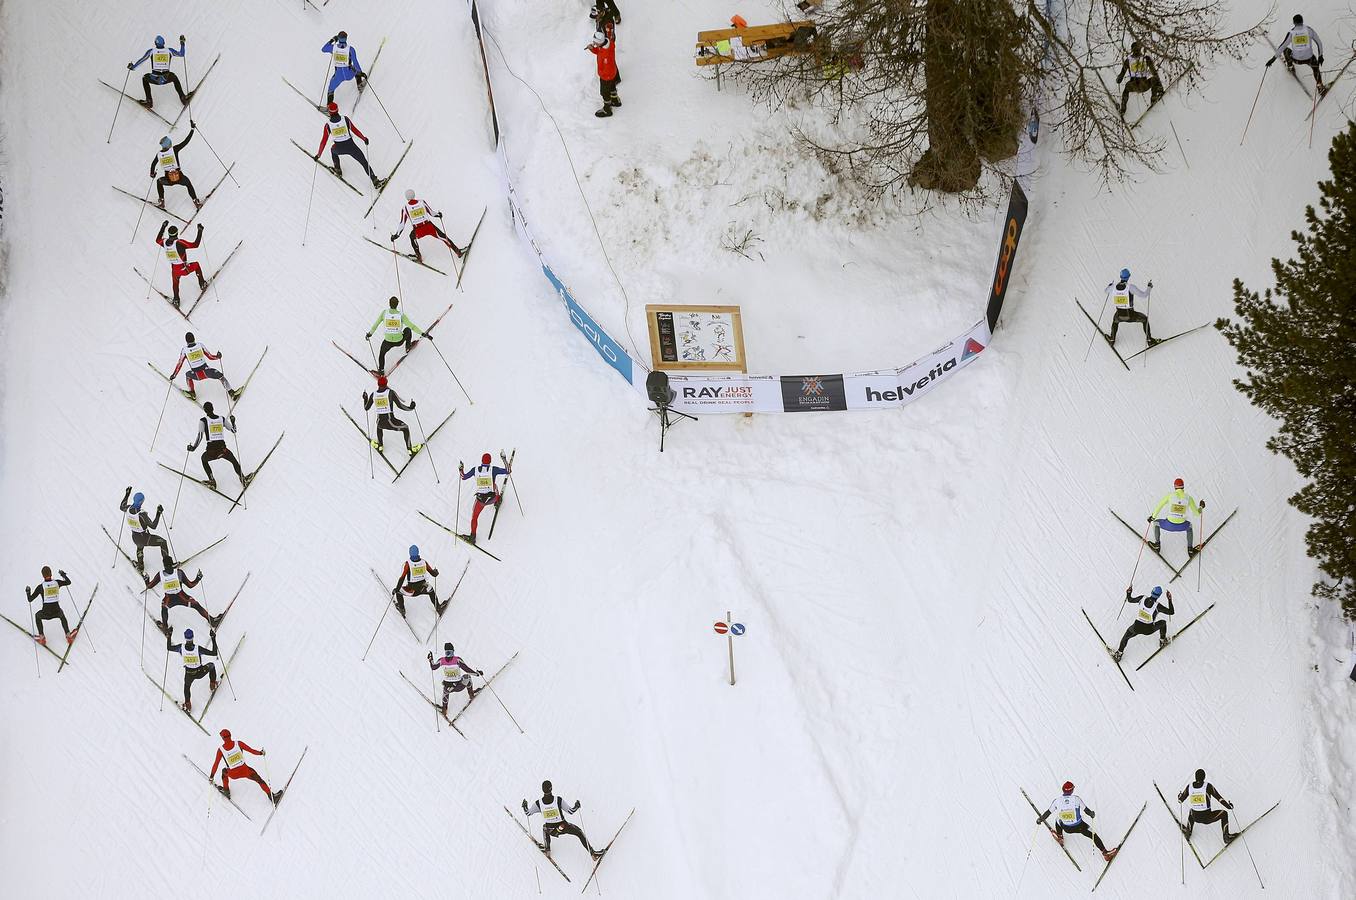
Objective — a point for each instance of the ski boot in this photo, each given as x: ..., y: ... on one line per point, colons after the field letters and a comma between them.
x: 1229, y: 839
x: 1154, y: 341
x: 1109, y: 855
x: 70, y: 635
x: 1059, y: 838
x: 1116, y: 655
x: 1110, y: 341
x: 276, y: 797
x: 212, y: 483
x: 375, y: 445
x: 164, y: 629
x: 441, y: 607
x: 187, y: 706
x: 235, y: 393
x: 1192, y: 551
x: 1163, y: 640
x: 472, y: 538
x: 1155, y: 546
x: 415, y: 449
x: 214, y: 621
x: 189, y: 98
x: 197, y: 204
x: 604, y: 112
x: 245, y: 482
x: 146, y: 104
x: 202, y: 285
x: 225, y: 791
x: 41, y: 639
x: 212, y: 687
x: 160, y: 204
x: 597, y: 854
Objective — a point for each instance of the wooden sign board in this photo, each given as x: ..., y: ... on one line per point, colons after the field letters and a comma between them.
x: 705, y: 338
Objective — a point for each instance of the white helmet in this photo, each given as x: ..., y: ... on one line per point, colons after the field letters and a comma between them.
x: 599, y: 39
x: 409, y: 195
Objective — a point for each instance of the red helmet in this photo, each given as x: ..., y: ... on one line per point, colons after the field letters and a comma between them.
x: 1179, y: 484
x: 225, y: 734
x: 486, y: 459
x: 381, y: 381
x: 333, y: 107
x: 1068, y: 787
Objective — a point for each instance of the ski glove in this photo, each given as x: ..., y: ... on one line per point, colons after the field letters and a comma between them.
x: 479, y: 672
x: 1320, y: 60
x: 393, y: 237
x: 131, y: 66
x: 1202, y: 504
x: 577, y: 804
x: 1270, y: 61
x: 188, y: 447
x: 1118, y: 78
x: 412, y: 404
x: 525, y: 812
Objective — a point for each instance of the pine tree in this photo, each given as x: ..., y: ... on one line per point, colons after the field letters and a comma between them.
x: 1298, y: 343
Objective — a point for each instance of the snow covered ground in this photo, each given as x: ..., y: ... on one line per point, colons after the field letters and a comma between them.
x: 911, y: 581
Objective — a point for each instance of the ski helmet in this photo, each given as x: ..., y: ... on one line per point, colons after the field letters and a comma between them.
x: 166, y: 143
x: 1135, y: 47
x: 1068, y: 787
x: 447, y: 648
x: 137, y: 499
x: 207, y: 407
x: 394, y: 302
x: 1298, y: 20
x: 188, y: 634
x: 546, y: 788
x: 172, y: 231
x: 1179, y: 484
x: 1157, y: 591
x: 409, y: 195
x: 160, y: 41
x: 381, y: 382
x: 414, y: 551
x: 46, y: 572
x: 599, y: 39
x: 188, y: 337
x: 226, y: 734
x: 1125, y: 274
x: 1200, y: 774
x: 334, y: 112
x: 169, y: 563
x: 486, y: 459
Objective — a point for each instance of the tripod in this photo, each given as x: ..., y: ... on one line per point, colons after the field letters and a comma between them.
x: 663, y: 411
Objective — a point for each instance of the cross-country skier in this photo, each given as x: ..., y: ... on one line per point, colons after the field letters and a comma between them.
x: 197, y: 356
x: 196, y: 664
x: 213, y: 428
x: 346, y: 65
x: 419, y: 214
x: 1123, y: 295
x: 414, y: 581
x: 176, y: 251
x: 1180, y: 505
x: 50, y: 592
x: 161, y: 57
x: 232, y: 753
x: 1069, y: 812
x: 605, y: 49
x: 341, y: 129
x: 1146, y: 618
x: 386, y: 402
x: 397, y: 331
x: 1301, y: 45
x: 552, y: 809
x: 141, y: 526
x: 487, y: 487
x: 173, y: 581
x: 170, y: 173
x: 456, y: 674
x: 1143, y: 76
x: 1197, y: 795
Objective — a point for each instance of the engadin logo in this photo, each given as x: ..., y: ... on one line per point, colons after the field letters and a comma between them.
x: 972, y: 347
x: 907, y: 390
x: 812, y: 388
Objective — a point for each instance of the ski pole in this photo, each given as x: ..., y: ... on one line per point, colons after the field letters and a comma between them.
x: 449, y: 369
x: 145, y: 614
x: 388, y: 115
x: 395, y: 257
x: 157, y: 430
x: 164, y: 677
x: 226, y: 675
x: 155, y: 268
x: 324, y: 89
x: 216, y: 291
x: 505, y: 708
x: 508, y: 464
x: 307, y: 229
x: 1181, y: 848
x: 214, y: 153
x: 430, y: 452
x: 1106, y: 297
x: 1265, y: 69
x: 122, y: 522
x: 456, y: 523
x: 33, y: 624
x: 174, y: 512
x: 367, y: 420
x: 145, y: 202
x: 1030, y: 847
x: 379, y: 621
x: 1201, y: 564
x: 109, y: 140
x: 82, y: 627
x: 1253, y: 861
x: 1142, y: 541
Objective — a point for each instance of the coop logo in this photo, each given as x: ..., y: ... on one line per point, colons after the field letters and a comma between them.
x: 1005, y: 253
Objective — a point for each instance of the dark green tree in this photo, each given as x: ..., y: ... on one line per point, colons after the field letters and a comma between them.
x: 1298, y: 344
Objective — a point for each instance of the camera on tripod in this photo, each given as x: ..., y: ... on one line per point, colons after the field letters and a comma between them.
x: 661, y: 395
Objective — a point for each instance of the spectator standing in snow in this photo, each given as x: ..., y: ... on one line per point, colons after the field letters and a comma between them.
x: 605, y: 50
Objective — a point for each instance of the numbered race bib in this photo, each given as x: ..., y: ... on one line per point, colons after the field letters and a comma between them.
x: 419, y: 569
x: 383, y: 404
x: 192, y: 660
x: 1067, y: 816
x: 1139, y: 67
x: 133, y: 521
x: 340, y: 57
x: 1178, y: 509
x: 171, y: 584
x: 1122, y: 300
x: 160, y: 60
x: 167, y: 161
x: 50, y: 591
x: 451, y: 673
x: 484, y: 483
x: 1197, y: 798
x: 418, y: 214
x: 234, y: 757
x: 551, y: 814
x: 1301, y: 40
x: 1145, y: 614
x: 339, y: 132
x: 215, y: 429
x: 393, y: 326
x: 172, y: 252
x: 195, y: 355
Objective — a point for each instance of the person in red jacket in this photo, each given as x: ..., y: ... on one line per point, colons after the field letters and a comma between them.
x: 176, y: 251
x: 232, y: 753
x: 605, y: 49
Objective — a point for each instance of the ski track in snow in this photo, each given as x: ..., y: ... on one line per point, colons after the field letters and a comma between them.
x: 910, y: 580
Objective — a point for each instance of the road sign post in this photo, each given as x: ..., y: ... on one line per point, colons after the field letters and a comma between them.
x: 731, y: 630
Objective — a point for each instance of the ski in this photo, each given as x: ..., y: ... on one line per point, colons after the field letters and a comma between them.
x: 193, y: 93
x: 436, y: 707
x: 1291, y: 69
x: 78, y: 625
x: 225, y: 667
x: 311, y: 156
x: 1107, y: 648
x: 302, y: 94
x: 213, y: 277
x: 392, y: 595
x: 466, y: 253
x: 1201, y: 548
x: 1327, y: 89
x: 1106, y: 337
x: 498, y: 504
x: 508, y: 480
x: 1120, y: 845
x: 1162, y: 341
x: 203, y: 205
x: 1239, y: 834
x: 31, y: 635
x: 183, y: 562
x: 1175, y: 571
x: 1175, y: 636
x: 410, y: 256
x: 602, y: 854
x: 369, y: 440
x: 1052, y: 831
x: 482, y: 689
x: 415, y: 343
x: 279, y: 796
x: 151, y: 203
x: 177, y: 704
x: 356, y: 362
x: 220, y: 790
x: 192, y: 397
x: 1147, y: 109
x: 235, y: 395
x: 387, y: 180
x: 376, y: 57
x: 249, y: 479
x: 428, y: 437
x: 139, y: 102
x: 220, y: 494
x: 448, y: 602
x: 464, y: 537
x: 1181, y: 829
x: 537, y: 844
x: 168, y: 299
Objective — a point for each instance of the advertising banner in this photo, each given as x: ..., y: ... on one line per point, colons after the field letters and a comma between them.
x: 873, y: 390
x: 812, y: 393
x: 607, y: 348
x: 1007, y: 253
x: 726, y: 393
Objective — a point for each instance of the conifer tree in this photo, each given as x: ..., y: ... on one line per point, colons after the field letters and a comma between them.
x: 1298, y: 344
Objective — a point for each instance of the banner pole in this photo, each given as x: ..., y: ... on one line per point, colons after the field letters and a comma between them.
x: 730, y: 619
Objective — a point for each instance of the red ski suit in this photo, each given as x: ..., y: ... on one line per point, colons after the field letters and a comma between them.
x: 179, y: 270
x: 240, y: 771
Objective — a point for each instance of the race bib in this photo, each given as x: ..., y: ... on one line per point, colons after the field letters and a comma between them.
x: 167, y: 161
x: 171, y: 584
x: 160, y: 59
x: 1067, y: 816
x: 383, y: 404
x: 192, y: 660
x: 172, y: 253
x: 50, y: 591
x: 339, y: 132
x: 340, y: 57
x: 1178, y: 509
x: 195, y: 356
x: 215, y: 429
x: 1197, y: 799
x: 1301, y: 40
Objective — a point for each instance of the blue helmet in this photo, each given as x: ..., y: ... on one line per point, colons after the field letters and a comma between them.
x: 341, y: 38
x: 188, y: 634
x: 137, y: 499
x: 414, y: 551
x: 160, y: 40
x: 166, y: 143
x: 1125, y: 274
x: 1156, y: 591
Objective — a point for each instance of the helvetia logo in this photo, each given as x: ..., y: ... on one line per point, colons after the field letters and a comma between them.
x: 907, y: 390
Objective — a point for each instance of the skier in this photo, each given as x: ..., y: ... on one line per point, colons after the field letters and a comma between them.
x: 342, y: 129
x: 197, y: 356
x: 1301, y: 45
x: 170, y: 173
x: 161, y: 57
x: 383, y: 398
x: 414, y: 581
x: 605, y: 49
x: 1198, y: 795
x: 176, y: 251
x: 419, y: 214
x: 1180, y: 505
x: 195, y: 666
x: 1123, y: 295
x: 1069, y: 812
x: 346, y: 65
x: 232, y: 753
x: 1143, y: 76
x: 399, y: 331
x: 552, y: 809
x: 456, y: 675
x: 487, y: 488
x: 1146, y: 618
x: 214, y: 427
x: 141, y: 526
x: 50, y: 592
x: 173, y: 581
